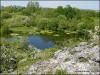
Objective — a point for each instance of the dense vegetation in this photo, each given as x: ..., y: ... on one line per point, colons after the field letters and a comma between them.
x: 34, y: 19
x: 62, y: 19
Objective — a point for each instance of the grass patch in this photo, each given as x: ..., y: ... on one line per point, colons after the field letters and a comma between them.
x: 24, y: 30
x: 28, y: 59
x: 46, y: 54
x: 29, y: 30
x: 62, y: 72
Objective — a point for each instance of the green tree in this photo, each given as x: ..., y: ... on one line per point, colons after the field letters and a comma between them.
x: 18, y: 21
x: 5, y: 15
x: 62, y: 25
x: 86, y: 23
x: 69, y: 12
x: 52, y: 24
x: 42, y: 23
x: 60, y: 10
x: 32, y: 6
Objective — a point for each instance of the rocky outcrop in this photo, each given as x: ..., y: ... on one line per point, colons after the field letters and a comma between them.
x: 44, y: 67
x: 81, y: 59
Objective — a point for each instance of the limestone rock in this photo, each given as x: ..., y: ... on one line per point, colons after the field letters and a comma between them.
x: 81, y: 59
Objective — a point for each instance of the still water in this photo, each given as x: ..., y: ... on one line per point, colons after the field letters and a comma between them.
x: 45, y: 41
x: 40, y: 42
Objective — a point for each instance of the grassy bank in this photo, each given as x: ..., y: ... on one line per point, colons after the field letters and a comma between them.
x: 23, y: 57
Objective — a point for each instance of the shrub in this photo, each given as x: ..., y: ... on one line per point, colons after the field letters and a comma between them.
x: 5, y: 15
x: 60, y: 72
x: 4, y: 30
x: 18, y: 21
x: 8, y: 60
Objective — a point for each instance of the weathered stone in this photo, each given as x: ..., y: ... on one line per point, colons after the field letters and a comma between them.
x: 83, y: 59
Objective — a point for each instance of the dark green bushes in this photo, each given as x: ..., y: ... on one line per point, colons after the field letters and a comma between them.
x: 8, y: 60
x: 5, y: 15
x: 4, y: 31
x: 60, y: 19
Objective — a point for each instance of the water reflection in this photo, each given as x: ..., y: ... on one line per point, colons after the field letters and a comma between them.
x: 40, y: 42
x: 45, y: 41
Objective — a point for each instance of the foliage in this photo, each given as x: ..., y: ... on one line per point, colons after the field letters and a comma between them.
x: 56, y: 19
x: 16, y: 58
x: 5, y: 15
x: 4, y: 31
x: 8, y: 60
x: 35, y: 19
x: 70, y: 12
x: 60, y: 72
x: 19, y: 20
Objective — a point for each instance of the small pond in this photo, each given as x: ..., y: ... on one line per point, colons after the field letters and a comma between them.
x: 45, y: 41
x: 40, y: 42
